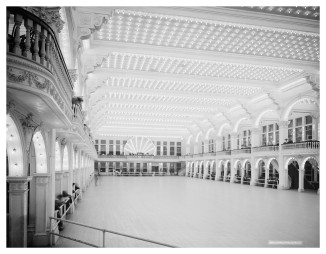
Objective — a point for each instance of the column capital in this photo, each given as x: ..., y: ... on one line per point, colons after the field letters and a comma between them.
x: 58, y: 175
x: 18, y: 184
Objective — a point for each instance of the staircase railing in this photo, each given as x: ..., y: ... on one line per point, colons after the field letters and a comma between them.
x: 52, y: 232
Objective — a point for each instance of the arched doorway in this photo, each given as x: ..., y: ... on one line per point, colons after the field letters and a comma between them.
x: 237, y: 177
x: 311, y: 174
x: 247, y: 173
x: 273, y: 175
x: 293, y: 172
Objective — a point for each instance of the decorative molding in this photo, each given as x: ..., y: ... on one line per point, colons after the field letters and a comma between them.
x: 192, y: 67
x: 11, y: 106
x: 210, y: 35
x: 18, y: 186
x: 42, y: 179
x: 73, y: 75
x: 33, y: 80
x: 88, y: 23
x: 50, y: 15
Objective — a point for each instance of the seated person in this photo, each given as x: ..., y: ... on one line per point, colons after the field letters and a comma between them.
x: 66, y: 195
x: 57, y: 204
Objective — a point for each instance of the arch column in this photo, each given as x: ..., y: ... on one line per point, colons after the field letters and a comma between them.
x: 205, y: 169
x: 301, y: 180
x: 242, y: 173
x: 266, y: 175
x: 253, y: 171
x: 45, y: 195
x: 17, y: 219
x: 225, y: 171
x: 218, y: 171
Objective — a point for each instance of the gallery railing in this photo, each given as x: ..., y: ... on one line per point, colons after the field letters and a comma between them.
x: 104, y: 231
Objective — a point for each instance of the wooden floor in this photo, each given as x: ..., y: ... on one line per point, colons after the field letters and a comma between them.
x: 189, y: 212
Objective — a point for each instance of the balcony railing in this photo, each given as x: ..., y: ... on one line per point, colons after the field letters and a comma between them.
x: 302, y: 145
x: 139, y: 156
x: 31, y: 38
x: 264, y: 148
x: 225, y: 152
x: 240, y: 151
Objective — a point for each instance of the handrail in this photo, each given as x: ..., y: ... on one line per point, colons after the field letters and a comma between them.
x: 104, y: 231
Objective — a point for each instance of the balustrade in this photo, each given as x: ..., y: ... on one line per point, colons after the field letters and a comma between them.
x: 34, y: 40
x: 302, y: 145
x: 264, y: 148
x: 239, y: 151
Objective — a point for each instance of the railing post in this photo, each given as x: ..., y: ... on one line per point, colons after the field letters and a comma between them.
x: 37, y: 30
x: 28, y: 25
x: 8, y: 17
x: 50, y: 235
x: 103, y: 238
x: 18, y: 21
x: 43, y: 36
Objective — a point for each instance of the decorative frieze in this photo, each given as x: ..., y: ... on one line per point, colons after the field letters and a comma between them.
x: 35, y: 81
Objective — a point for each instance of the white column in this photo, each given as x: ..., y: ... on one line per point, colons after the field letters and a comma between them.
x: 301, y: 180
x: 283, y: 172
x: 40, y: 238
x: 218, y: 171
x: 17, y: 220
x: 242, y: 174
x: 266, y: 175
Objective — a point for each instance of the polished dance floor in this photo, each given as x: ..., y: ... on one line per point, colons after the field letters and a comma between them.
x: 188, y: 212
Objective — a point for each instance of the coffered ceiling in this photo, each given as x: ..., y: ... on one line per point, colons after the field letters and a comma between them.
x: 166, y: 72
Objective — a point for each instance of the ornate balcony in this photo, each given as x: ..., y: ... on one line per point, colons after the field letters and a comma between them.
x: 265, y: 149
x: 305, y: 147
x: 36, y: 72
x: 36, y: 67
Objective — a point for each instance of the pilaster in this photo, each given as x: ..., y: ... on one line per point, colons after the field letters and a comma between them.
x: 17, y: 216
x: 301, y: 180
x: 41, y: 238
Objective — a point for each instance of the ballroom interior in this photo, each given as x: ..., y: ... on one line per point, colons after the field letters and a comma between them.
x: 203, y: 109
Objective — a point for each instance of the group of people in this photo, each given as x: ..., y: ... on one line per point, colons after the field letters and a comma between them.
x: 67, y: 199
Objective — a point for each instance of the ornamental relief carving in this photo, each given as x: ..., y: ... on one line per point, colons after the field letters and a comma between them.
x: 18, y: 186
x: 50, y: 15
x: 89, y: 23
x: 42, y: 179
x: 33, y: 80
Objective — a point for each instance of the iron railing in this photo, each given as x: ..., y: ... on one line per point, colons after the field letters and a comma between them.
x: 99, y: 229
